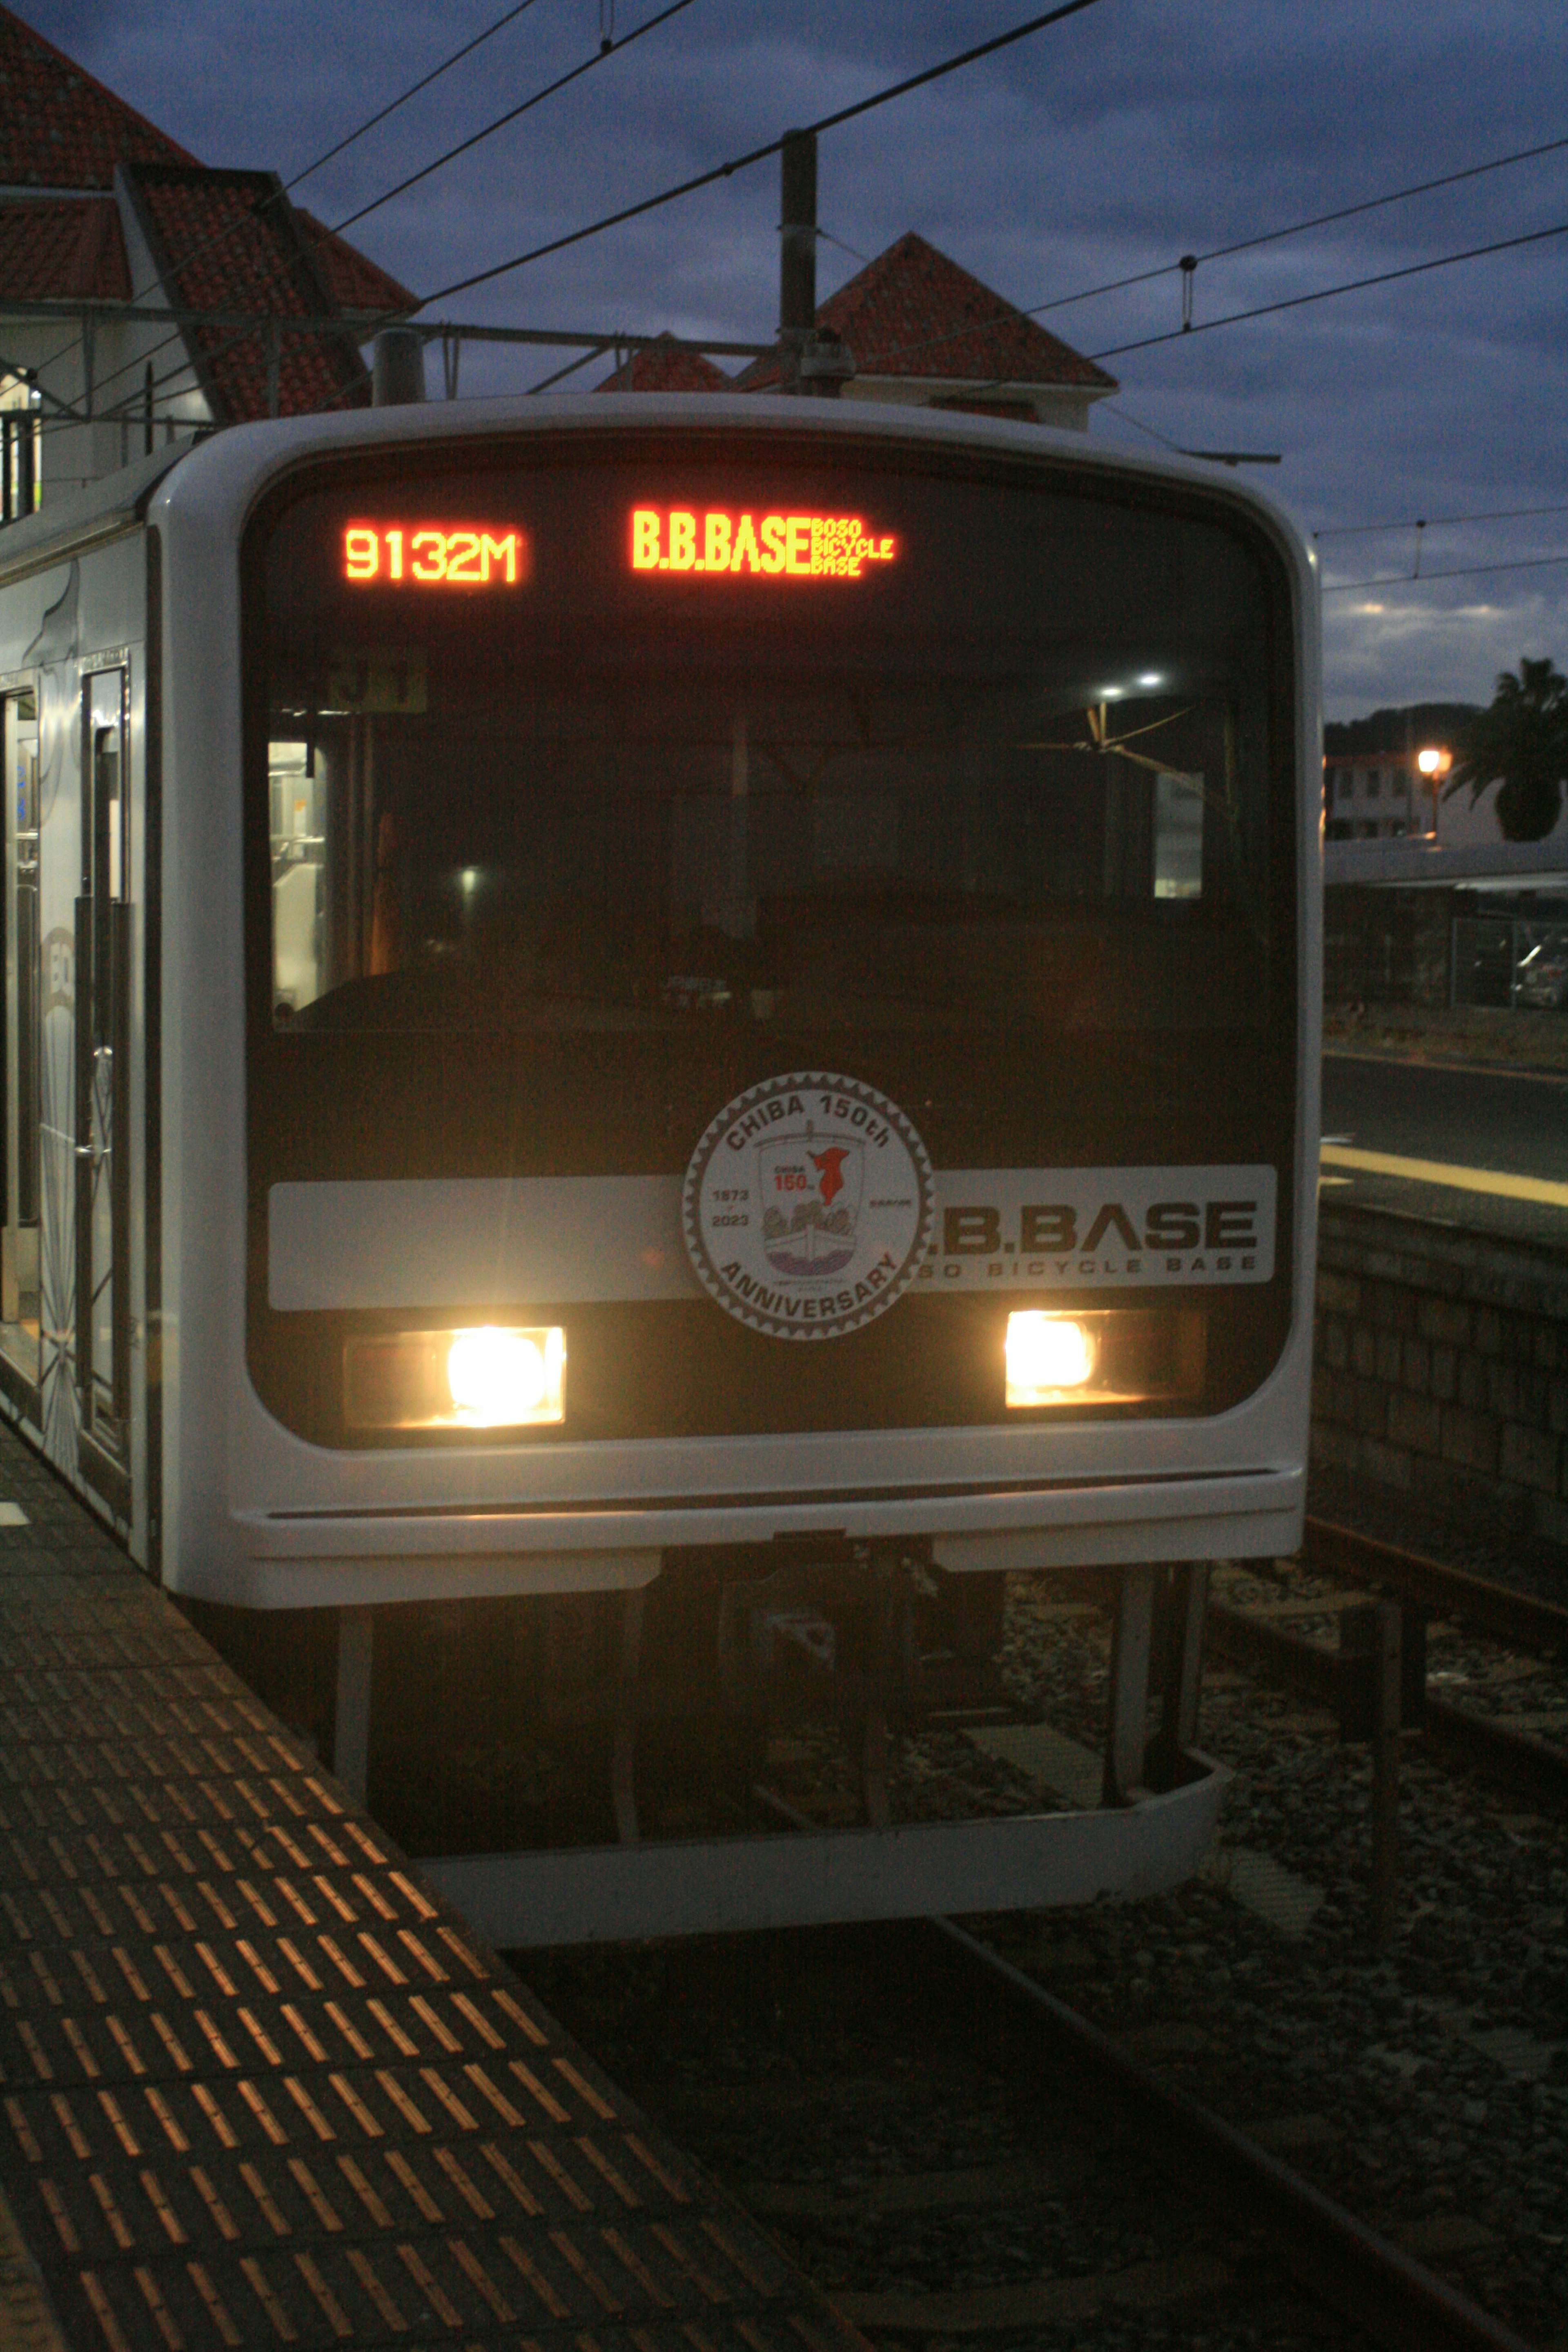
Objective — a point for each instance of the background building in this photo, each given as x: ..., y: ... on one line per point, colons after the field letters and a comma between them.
x: 1379, y: 797
x: 103, y: 218
x: 922, y: 332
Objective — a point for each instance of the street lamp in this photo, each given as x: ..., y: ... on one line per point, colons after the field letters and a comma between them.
x: 1433, y: 765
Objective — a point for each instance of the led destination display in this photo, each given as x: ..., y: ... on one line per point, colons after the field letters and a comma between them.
x: 434, y: 555
x: 674, y: 539
x: 798, y: 546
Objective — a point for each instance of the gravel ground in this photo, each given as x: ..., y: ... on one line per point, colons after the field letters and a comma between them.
x: 1470, y: 1669
x: 793, y: 2058
x: 1430, y: 2077
x: 1424, y: 2084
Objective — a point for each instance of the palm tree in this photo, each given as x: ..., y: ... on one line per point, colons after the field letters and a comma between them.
x: 1522, y: 741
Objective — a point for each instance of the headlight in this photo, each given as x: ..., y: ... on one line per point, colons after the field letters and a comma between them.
x: 1047, y: 1353
x: 1124, y: 1356
x: 486, y: 1378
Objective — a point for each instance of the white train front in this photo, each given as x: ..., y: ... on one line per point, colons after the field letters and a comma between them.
x: 691, y: 1020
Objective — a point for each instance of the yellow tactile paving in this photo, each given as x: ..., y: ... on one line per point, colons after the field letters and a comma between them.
x: 1458, y: 1178
x: 256, y: 2086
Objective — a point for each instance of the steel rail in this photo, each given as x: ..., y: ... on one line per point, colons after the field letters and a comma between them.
x: 1518, y: 1617
x: 1521, y: 1761
x: 1338, y: 2260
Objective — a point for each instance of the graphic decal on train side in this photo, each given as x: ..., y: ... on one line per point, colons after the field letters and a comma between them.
x: 808, y: 1206
x: 1097, y: 1228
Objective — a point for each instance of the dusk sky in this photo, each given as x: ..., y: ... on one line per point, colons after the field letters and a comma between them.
x: 1107, y: 145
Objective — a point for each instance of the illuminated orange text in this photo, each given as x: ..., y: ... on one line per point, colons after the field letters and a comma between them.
x: 805, y: 547
x: 434, y: 555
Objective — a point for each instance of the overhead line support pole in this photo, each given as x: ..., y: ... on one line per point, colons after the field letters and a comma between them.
x: 797, y: 253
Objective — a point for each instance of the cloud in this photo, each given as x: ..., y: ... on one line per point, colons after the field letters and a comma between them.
x: 1109, y: 145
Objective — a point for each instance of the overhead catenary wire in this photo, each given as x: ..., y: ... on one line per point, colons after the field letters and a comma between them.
x: 1457, y: 572
x: 863, y: 106
x: 225, y: 236
x: 1430, y: 522
x: 1323, y: 293
x: 1297, y: 228
x: 413, y: 90
x: 1223, y: 252
x: 950, y: 65
x: 598, y: 342
x: 758, y: 154
x: 1287, y: 302
x: 1468, y: 171
x: 608, y: 48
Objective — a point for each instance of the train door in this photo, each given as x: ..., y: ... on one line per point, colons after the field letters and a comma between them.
x: 19, y: 1276
x: 102, y: 1093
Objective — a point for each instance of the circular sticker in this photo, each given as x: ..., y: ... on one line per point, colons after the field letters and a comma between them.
x: 808, y: 1206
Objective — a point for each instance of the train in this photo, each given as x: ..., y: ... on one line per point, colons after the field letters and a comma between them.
x: 649, y: 1039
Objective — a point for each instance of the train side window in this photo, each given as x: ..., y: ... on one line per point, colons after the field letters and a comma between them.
x: 296, y: 775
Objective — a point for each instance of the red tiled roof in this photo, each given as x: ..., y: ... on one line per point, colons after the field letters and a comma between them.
x: 58, y: 127
x: 65, y: 251
x: 664, y: 365
x: 355, y: 282
x: 231, y: 241
x: 61, y: 129
x: 913, y: 313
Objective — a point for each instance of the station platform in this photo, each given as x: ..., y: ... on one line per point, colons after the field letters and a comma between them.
x: 258, y: 2085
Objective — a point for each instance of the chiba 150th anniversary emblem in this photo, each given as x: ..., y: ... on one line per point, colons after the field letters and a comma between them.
x: 808, y: 1206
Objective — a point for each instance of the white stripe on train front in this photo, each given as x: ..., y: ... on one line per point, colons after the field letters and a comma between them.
x: 488, y: 1241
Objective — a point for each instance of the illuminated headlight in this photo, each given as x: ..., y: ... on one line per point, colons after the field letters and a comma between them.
x: 1124, y: 1356
x: 1046, y: 1354
x: 487, y: 1379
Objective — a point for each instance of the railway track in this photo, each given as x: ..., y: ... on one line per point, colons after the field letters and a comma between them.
x: 1498, y: 1609
x: 958, y: 2153
x: 1341, y: 2264
x: 978, y: 2158
x: 1531, y: 1632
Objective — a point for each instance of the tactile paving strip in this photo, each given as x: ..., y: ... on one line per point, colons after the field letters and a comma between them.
x: 258, y: 2088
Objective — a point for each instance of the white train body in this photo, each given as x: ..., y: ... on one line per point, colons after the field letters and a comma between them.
x: 888, y: 882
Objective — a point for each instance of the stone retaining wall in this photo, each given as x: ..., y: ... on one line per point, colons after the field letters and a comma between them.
x: 1441, y: 1367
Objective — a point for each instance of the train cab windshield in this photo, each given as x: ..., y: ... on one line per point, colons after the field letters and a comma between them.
x: 623, y: 746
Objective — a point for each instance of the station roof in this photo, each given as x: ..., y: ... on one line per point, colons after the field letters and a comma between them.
x: 231, y: 240
x: 72, y: 249
x: 664, y: 365
x: 71, y: 154
x: 914, y: 315
x: 353, y: 279
x: 60, y: 127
